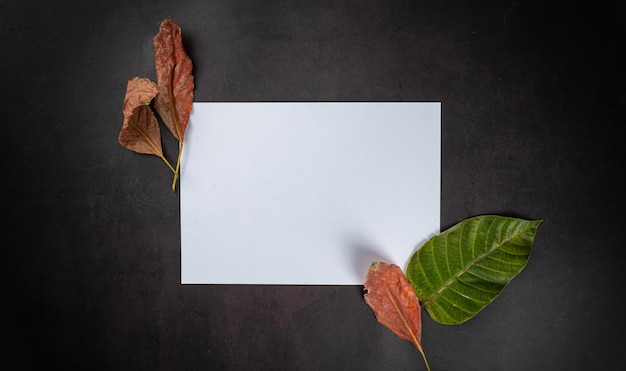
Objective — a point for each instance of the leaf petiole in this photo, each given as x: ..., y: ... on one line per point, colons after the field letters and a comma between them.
x: 423, y: 356
x: 168, y: 164
x: 177, y: 171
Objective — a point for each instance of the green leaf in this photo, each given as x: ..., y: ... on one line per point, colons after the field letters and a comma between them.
x: 460, y: 271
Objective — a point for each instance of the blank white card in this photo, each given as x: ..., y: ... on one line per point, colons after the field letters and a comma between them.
x: 306, y: 193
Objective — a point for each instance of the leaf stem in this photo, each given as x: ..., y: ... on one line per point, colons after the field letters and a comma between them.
x: 177, y: 171
x: 168, y: 164
x: 419, y: 347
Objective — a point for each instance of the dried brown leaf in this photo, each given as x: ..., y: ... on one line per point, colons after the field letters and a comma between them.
x: 393, y: 300
x: 175, y: 81
x: 140, y: 129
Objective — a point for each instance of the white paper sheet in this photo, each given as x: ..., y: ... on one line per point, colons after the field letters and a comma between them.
x: 306, y: 193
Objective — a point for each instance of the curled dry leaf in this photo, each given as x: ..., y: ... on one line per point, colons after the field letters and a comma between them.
x: 393, y: 300
x: 140, y: 129
x: 175, y: 81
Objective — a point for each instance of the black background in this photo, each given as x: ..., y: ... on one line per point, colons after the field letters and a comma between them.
x: 533, y: 107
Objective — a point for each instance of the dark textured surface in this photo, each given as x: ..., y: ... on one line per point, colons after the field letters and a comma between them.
x: 533, y: 100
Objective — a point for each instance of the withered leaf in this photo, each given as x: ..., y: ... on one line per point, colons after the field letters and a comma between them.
x: 175, y: 81
x: 140, y: 129
x: 393, y: 300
